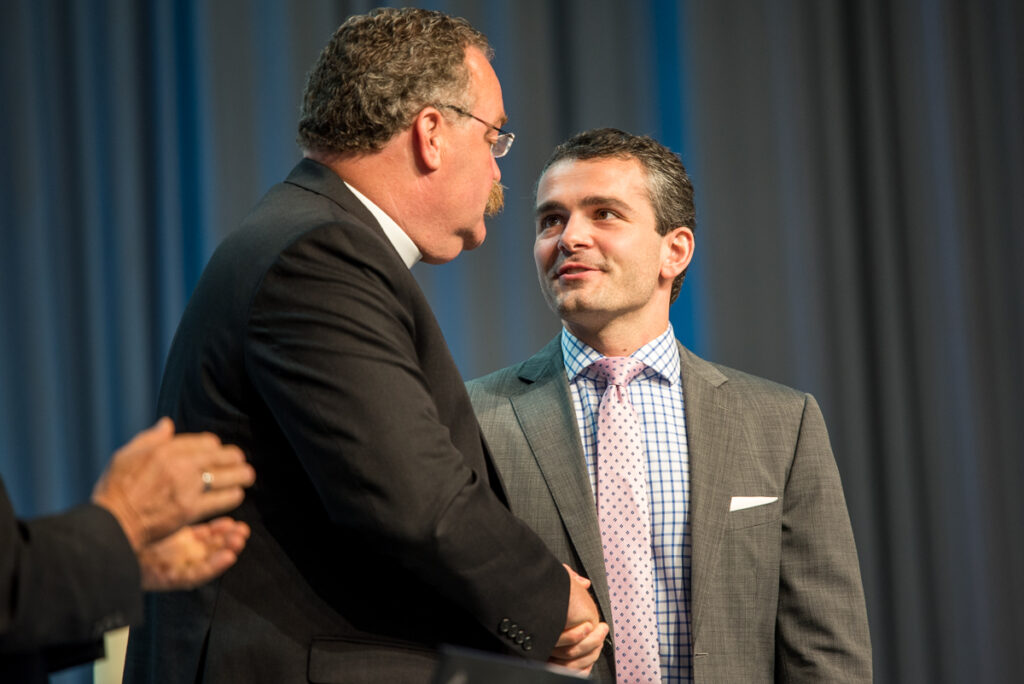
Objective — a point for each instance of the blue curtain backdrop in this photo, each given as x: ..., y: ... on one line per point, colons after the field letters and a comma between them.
x: 858, y: 167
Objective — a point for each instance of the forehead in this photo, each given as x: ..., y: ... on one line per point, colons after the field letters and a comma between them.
x: 484, y: 86
x: 570, y: 180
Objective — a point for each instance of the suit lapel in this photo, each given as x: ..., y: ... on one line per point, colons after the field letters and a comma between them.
x: 545, y: 413
x: 547, y: 418
x: 711, y: 439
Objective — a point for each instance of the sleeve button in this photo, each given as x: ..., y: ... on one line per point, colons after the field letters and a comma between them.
x: 504, y: 626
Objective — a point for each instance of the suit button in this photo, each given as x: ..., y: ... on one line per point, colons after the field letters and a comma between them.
x: 528, y: 644
x: 512, y: 630
x: 503, y: 627
x: 520, y: 637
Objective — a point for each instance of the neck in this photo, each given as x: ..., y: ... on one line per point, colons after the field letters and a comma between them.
x: 618, y: 338
x: 379, y: 175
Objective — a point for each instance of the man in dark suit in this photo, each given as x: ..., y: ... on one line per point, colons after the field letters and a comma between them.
x: 379, y: 530
x: 66, y: 579
x: 755, y: 574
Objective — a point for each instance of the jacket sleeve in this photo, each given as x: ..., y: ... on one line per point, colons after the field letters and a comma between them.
x: 335, y: 349
x: 64, y: 579
x: 822, y: 626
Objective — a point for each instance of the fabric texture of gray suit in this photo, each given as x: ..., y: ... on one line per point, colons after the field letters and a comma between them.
x: 776, y: 592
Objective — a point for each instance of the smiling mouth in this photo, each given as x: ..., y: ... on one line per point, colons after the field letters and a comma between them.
x: 573, y: 269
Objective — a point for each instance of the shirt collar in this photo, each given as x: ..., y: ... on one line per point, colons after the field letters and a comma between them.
x: 403, y: 244
x: 660, y: 355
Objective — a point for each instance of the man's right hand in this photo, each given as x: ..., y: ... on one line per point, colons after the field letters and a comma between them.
x: 579, y: 645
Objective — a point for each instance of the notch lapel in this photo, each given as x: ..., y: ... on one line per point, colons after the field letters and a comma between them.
x: 712, y: 438
x: 548, y: 420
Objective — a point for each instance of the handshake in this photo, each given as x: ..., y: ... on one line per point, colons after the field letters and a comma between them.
x: 579, y: 645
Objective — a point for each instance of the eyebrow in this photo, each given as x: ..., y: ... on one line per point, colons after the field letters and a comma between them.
x: 588, y: 201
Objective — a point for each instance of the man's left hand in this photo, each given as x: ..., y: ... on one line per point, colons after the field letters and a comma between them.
x: 193, y: 555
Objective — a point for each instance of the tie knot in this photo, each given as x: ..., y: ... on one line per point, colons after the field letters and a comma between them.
x: 618, y: 370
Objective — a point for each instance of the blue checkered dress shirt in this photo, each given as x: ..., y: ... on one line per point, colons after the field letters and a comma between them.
x: 657, y: 395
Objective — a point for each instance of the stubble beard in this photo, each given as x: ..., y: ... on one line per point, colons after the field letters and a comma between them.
x: 565, y: 302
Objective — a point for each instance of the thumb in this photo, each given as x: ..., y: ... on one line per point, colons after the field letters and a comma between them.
x: 577, y: 577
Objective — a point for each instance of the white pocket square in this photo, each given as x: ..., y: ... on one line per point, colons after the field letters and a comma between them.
x: 741, y: 502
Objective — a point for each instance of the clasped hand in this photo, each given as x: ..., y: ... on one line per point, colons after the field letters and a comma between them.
x: 579, y: 645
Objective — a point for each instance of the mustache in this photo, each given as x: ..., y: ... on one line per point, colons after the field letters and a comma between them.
x: 495, y: 200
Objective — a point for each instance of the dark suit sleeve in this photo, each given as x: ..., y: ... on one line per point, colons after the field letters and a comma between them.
x: 64, y: 579
x: 822, y: 626
x: 336, y: 351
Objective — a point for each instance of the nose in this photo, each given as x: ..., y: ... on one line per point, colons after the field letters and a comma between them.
x: 575, y: 235
x: 497, y: 169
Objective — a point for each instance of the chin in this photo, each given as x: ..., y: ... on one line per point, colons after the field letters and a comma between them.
x: 568, y: 306
x: 473, y: 238
x: 464, y: 242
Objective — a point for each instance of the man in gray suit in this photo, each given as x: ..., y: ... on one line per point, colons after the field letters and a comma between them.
x: 755, y: 570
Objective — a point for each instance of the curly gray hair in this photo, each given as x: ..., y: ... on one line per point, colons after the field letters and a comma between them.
x: 378, y: 71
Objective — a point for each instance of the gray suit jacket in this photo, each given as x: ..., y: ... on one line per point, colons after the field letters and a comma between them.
x: 776, y: 592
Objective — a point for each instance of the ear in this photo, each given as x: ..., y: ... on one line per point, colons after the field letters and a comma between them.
x: 676, y: 252
x: 428, y: 138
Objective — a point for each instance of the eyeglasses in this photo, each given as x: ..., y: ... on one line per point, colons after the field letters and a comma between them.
x: 501, y: 146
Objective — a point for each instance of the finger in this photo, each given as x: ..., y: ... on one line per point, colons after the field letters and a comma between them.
x: 581, y: 664
x: 235, y: 542
x: 239, y: 475
x: 234, y: 532
x: 574, y: 635
x: 225, y: 525
x: 585, y: 652
x: 227, y: 455
x: 200, y: 446
x: 222, y: 532
x: 217, y: 501
x: 227, y: 533
x: 576, y: 576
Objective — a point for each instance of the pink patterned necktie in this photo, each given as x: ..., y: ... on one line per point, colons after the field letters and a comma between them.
x: 624, y: 514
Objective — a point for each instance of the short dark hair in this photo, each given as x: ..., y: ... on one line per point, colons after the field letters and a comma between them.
x: 378, y: 71
x: 668, y: 185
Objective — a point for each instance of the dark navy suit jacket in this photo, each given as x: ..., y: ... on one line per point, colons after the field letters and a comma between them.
x: 380, y: 530
x: 64, y: 581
